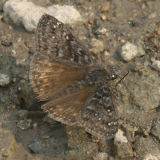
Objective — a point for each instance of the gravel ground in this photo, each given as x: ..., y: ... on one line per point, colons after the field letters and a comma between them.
x: 123, y: 33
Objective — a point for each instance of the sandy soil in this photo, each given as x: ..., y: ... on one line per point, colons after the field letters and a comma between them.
x: 26, y: 133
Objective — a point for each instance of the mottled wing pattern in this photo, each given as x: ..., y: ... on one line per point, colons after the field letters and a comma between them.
x: 99, y: 116
x: 59, y: 74
x: 59, y: 59
x: 55, y: 40
x: 49, y: 78
x: 66, y: 108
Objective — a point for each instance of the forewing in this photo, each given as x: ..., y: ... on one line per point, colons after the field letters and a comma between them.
x: 55, y: 40
x: 49, y: 78
x: 66, y: 108
x: 99, y: 116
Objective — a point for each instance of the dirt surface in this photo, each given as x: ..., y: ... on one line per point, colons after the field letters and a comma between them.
x: 26, y: 133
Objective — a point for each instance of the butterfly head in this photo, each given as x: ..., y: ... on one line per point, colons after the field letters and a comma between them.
x: 112, y: 72
x: 113, y: 76
x: 116, y: 75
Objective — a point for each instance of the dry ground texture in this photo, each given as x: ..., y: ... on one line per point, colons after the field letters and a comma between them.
x: 26, y: 133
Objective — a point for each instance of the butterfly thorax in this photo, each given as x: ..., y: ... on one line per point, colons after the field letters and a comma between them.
x: 97, y: 76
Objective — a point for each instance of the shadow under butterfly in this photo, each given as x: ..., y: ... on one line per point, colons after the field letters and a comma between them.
x: 76, y: 88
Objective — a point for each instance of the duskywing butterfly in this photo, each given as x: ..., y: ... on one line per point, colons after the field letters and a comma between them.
x: 67, y: 76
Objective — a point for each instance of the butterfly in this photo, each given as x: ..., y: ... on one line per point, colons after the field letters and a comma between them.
x: 76, y: 89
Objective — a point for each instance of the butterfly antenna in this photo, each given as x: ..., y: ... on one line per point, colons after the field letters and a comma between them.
x: 122, y: 78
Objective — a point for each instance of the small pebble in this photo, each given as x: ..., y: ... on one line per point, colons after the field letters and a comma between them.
x: 124, y: 148
x: 130, y: 51
x: 97, y: 46
x: 103, y: 17
x: 13, y: 106
x: 105, y: 7
x: 14, y: 80
x: 103, y: 30
x: 4, y: 79
x: 156, y: 65
x: 13, y: 53
x: 143, y: 6
x: 35, y: 125
x: 106, y: 53
x: 119, y: 137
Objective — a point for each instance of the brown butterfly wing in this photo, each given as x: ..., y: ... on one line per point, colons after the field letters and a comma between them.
x: 99, y: 116
x: 66, y: 108
x: 49, y: 78
x: 55, y: 40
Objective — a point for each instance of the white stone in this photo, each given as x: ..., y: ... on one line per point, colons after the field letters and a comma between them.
x: 98, y: 45
x: 4, y: 79
x: 130, y: 51
x: 156, y: 65
x: 119, y: 137
x: 28, y: 14
x: 103, y: 30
